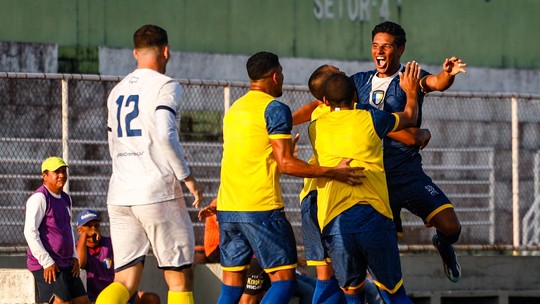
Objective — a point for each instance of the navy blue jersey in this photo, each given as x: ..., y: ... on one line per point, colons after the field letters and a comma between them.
x: 399, y: 159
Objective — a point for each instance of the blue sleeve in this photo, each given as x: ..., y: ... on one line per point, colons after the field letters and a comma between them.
x: 362, y: 83
x: 383, y: 122
x: 278, y: 118
x: 363, y: 106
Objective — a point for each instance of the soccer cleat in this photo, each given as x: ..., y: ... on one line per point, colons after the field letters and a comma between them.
x: 452, y: 269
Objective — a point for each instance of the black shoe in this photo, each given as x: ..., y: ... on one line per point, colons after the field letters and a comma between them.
x: 452, y: 269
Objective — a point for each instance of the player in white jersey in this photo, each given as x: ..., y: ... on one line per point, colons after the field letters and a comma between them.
x: 145, y: 201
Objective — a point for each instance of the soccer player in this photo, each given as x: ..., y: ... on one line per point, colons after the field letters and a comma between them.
x: 257, y: 148
x: 356, y: 221
x: 257, y: 280
x: 96, y: 257
x: 409, y: 187
x: 145, y: 200
x: 327, y: 289
x: 52, y: 257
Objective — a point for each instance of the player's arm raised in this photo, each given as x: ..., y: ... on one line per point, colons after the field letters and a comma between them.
x: 443, y: 80
x: 303, y: 114
x: 409, y: 81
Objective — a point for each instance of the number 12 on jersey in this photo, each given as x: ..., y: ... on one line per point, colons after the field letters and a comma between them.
x: 129, y: 116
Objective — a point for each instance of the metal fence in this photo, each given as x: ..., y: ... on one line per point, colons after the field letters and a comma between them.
x: 481, y: 152
x: 531, y: 219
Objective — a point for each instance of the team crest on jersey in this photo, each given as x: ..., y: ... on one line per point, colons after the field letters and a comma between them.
x: 108, y: 263
x: 377, y: 97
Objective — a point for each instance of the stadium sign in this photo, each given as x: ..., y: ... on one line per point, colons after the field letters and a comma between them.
x: 354, y: 10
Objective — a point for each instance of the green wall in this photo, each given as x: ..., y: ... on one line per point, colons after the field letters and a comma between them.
x: 486, y: 33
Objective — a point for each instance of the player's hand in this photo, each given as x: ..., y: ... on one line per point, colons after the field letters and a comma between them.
x: 454, y: 66
x: 49, y: 273
x: 343, y: 172
x: 301, y: 262
x: 82, y: 233
x: 75, y: 270
x: 87, y: 232
x: 206, y: 212
x: 195, y: 190
x: 409, y: 79
x: 424, y: 135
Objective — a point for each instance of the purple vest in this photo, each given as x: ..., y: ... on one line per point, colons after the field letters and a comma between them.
x: 55, y: 231
x: 99, y: 268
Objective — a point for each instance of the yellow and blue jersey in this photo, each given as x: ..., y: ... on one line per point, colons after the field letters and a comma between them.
x: 355, y: 134
x: 249, y: 173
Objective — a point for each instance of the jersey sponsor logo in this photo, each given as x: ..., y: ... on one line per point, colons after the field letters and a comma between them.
x: 124, y: 154
x: 255, y: 282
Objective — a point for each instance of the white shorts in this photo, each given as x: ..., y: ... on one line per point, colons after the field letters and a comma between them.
x: 166, y: 226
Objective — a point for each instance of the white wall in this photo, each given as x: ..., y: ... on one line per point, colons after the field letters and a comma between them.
x: 182, y: 65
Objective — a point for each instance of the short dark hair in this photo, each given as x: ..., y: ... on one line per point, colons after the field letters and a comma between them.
x: 150, y: 35
x: 393, y: 29
x: 317, y: 79
x: 261, y: 64
x: 339, y: 90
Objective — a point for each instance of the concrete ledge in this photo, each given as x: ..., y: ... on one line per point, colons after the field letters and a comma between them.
x: 17, y: 286
x: 486, y: 280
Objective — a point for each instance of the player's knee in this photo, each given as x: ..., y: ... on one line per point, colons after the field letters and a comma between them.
x: 447, y: 223
x: 449, y: 238
x: 451, y: 231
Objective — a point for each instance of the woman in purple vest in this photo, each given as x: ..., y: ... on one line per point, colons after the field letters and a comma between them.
x: 52, y: 257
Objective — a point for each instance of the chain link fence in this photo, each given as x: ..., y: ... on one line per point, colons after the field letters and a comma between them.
x: 481, y: 152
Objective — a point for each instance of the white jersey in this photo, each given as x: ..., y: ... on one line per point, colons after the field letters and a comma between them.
x: 147, y: 158
x: 378, y: 89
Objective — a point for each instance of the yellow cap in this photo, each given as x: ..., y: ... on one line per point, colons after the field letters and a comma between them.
x: 52, y: 164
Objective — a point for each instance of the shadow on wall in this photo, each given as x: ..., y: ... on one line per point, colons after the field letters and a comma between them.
x: 28, y: 57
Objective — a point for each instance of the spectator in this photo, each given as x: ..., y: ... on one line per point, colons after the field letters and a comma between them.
x: 52, y: 257
x: 96, y: 257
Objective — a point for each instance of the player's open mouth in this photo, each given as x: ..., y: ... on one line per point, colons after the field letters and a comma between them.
x: 380, y: 61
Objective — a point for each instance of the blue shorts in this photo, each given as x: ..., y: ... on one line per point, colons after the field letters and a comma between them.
x: 420, y: 196
x: 313, y: 247
x: 360, y: 239
x: 66, y: 287
x: 267, y: 234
